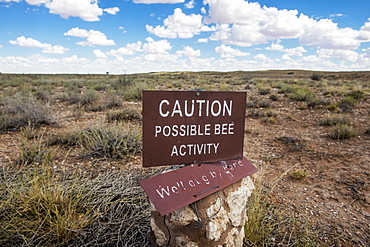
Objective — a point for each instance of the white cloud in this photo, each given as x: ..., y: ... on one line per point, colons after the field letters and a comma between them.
x: 190, y: 4
x: 99, y: 54
x: 88, y: 10
x: 26, y: 42
x: 57, y: 49
x: 244, y: 23
x: 367, y: 53
x: 336, y: 15
x: 158, y: 1
x: 365, y: 32
x: 261, y: 57
x: 36, y: 2
x: 227, y: 51
x: 32, y: 43
x: 296, y: 52
x: 326, y: 34
x: 179, y: 25
x: 92, y: 37
x: 343, y: 55
x: 7, y: 1
x: 202, y: 40
x: 156, y: 47
x: 189, y: 52
x: 129, y: 49
x: 112, y: 11
x: 275, y: 47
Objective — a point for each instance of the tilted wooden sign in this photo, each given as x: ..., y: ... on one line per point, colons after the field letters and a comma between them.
x: 185, y: 127
x: 178, y: 188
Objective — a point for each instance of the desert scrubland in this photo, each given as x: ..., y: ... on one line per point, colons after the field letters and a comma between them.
x: 70, y: 156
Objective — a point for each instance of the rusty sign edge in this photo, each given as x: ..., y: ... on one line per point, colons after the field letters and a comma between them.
x: 166, y: 204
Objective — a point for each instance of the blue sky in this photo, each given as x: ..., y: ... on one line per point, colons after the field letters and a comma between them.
x: 135, y: 36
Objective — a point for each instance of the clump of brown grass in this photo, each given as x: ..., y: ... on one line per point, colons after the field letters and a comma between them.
x: 336, y: 119
x: 45, y: 207
x: 342, y: 131
x: 23, y: 110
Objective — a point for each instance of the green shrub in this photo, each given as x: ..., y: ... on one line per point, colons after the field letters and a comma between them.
x: 127, y: 114
x: 348, y: 103
x: 274, y: 97
x: 113, y: 142
x: 135, y: 91
x: 316, y: 77
x: 264, y: 91
x: 356, y: 94
x: 336, y: 119
x: 22, y: 111
x: 34, y: 153
x: 302, y: 95
x: 84, y: 98
x: 264, y: 103
x: 286, y: 89
x: 298, y: 174
x: 332, y: 107
x: 43, y: 207
x: 342, y: 131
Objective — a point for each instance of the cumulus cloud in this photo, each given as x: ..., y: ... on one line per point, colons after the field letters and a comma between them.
x: 158, y: 1
x: 275, y: 47
x: 92, y: 37
x: 244, y: 23
x: 343, y: 55
x: 179, y: 25
x: 227, y: 51
x: 261, y: 57
x: 112, y: 11
x: 202, y: 40
x: 190, y: 4
x: 297, y: 51
x: 156, y: 47
x: 88, y: 10
x: 99, y: 54
x: 129, y: 49
x: 32, y: 43
x: 189, y: 52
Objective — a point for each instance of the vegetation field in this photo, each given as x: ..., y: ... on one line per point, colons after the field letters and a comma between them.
x: 70, y: 156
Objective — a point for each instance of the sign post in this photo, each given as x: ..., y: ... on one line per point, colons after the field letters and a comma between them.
x: 203, y: 203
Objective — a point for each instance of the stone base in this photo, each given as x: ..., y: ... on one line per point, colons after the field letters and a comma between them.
x: 223, y: 216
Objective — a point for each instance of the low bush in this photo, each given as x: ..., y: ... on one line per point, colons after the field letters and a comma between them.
x: 301, y: 94
x: 44, y: 207
x: 356, y: 94
x: 316, y: 77
x: 298, y: 174
x: 342, y: 131
x: 336, y: 119
x: 348, y: 103
x: 127, y: 114
x: 264, y: 91
x: 84, y: 98
x: 34, y: 152
x: 112, y: 142
x: 26, y: 110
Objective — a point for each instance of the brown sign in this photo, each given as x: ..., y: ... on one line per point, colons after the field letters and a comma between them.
x: 185, y: 127
x: 173, y: 190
